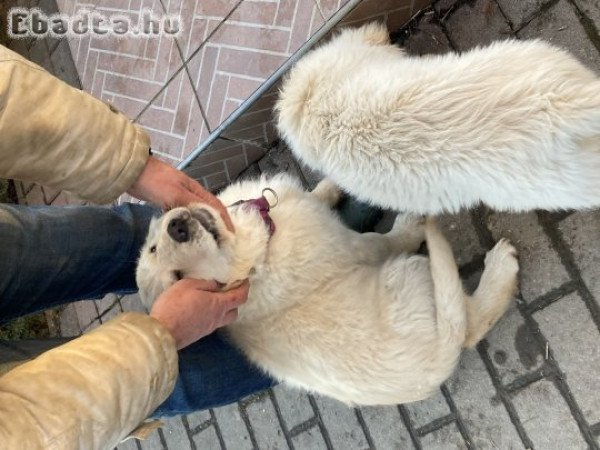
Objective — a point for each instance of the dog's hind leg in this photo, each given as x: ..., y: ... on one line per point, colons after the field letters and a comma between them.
x: 450, y: 299
x: 495, y: 292
x: 328, y: 192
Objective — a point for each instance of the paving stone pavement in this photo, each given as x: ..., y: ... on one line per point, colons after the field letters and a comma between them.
x: 531, y: 383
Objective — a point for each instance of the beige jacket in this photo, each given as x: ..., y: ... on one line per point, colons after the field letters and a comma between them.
x: 93, y: 391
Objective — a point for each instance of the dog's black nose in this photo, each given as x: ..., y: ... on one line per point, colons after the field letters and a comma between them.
x: 178, y: 230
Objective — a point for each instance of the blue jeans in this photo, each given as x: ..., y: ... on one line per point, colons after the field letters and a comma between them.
x: 54, y: 255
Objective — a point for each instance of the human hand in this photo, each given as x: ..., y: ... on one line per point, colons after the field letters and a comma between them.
x: 168, y: 187
x: 191, y: 309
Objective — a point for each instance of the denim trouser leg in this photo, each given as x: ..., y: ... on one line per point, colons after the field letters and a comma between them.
x: 212, y: 373
x: 54, y: 255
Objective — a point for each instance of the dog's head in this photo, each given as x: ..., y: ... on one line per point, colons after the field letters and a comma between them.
x: 185, y: 242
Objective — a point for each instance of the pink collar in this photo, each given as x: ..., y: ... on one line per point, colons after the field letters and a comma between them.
x: 263, y: 207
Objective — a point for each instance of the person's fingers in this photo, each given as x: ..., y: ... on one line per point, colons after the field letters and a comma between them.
x: 229, y: 317
x: 221, y: 209
x: 237, y: 296
x: 186, y: 197
x: 201, y: 285
x: 196, y: 189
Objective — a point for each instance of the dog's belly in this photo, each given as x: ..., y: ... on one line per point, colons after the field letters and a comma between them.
x: 359, y: 340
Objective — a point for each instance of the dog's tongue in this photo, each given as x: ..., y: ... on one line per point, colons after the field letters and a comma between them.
x: 263, y: 207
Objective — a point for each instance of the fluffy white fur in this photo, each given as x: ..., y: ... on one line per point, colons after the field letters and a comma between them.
x: 353, y: 316
x: 515, y: 125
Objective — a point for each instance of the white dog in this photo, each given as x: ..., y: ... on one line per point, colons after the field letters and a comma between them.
x: 515, y: 125
x: 356, y: 317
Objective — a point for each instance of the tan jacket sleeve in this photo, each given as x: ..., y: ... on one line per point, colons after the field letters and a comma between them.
x: 91, y: 392
x: 61, y: 137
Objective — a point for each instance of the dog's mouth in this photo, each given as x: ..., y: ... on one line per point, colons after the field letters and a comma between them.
x: 179, y: 275
x: 208, y: 222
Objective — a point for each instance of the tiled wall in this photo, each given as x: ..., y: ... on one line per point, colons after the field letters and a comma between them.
x: 180, y: 89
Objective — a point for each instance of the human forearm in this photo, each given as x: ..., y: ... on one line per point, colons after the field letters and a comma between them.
x: 59, y: 136
x: 91, y: 392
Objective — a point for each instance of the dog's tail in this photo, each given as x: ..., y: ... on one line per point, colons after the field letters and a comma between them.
x: 451, y: 312
x: 293, y: 102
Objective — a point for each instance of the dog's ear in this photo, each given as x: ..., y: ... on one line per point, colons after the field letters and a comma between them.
x: 153, y: 231
x: 144, y: 297
x: 373, y: 33
x: 149, y: 287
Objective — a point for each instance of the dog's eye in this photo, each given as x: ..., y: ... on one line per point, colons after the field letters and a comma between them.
x: 153, y: 249
x: 178, y: 274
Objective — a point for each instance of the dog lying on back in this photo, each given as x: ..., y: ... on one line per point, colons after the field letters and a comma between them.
x: 515, y: 125
x: 357, y: 317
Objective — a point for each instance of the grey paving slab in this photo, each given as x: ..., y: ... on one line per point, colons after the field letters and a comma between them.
x: 540, y: 266
x: 62, y: 62
x: 312, y: 177
x: 279, y: 160
x: 207, y: 439
x: 233, y: 429
x: 264, y: 422
x: 427, y: 38
x: 200, y: 418
x: 129, y: 444
x: 342, y: 425
x: 591, y: 9
x: 50, y: 194
x: 311, y: 439
x: 477, y: 23
x: 294, y: 405
x: 519, y: 12
x: 575, y: 343
x: 48, y: 6
x: 105, y: 303
x: 513, y: 348
x: 69, y: 323
x: 546, y: 417
x: 132, y: 302
x: 40, y: 54
x: 426, y: 411
x: 445, y: 6
x: 446, y: 438
x: 484, y: 415
x: 460, y: 232
x: 153, y: 442
x: 35, y: 196
x: 560, y: 26
x: 386, y: 427
x: 86, y: 313
x: 110, y: 313
x: 20, y: 46
x: 175, y: 434
x: 581, y: 232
